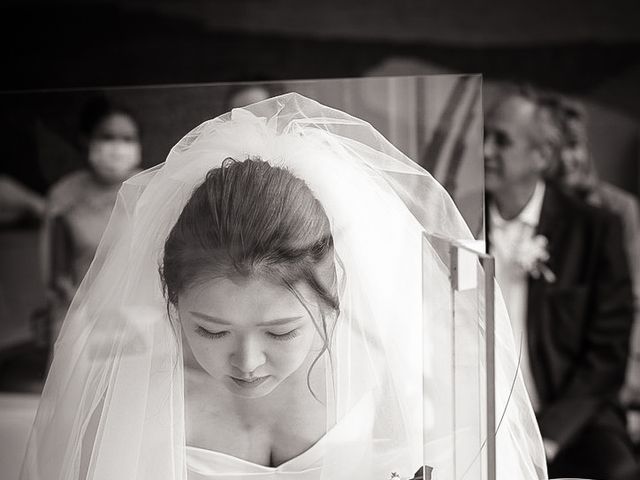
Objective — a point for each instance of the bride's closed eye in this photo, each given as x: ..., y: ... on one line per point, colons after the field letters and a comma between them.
x: 208, y: 334
x: 221, y: 334
x: 285, y: 336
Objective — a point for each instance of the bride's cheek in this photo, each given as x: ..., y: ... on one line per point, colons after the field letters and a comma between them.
x: 315, y: 343
x: 292, y: 355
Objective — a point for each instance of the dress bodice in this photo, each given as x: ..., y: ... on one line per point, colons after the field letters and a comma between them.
x: 343, y: 442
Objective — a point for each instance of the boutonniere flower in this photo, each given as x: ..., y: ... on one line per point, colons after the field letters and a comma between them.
x: 531, y: 256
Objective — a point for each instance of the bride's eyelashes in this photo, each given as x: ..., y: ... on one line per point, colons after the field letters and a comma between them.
x: 285, y: 336
x: 208, y: 334
x: 276, y: 336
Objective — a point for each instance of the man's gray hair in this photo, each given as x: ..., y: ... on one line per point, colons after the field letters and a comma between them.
x: 547, y: 131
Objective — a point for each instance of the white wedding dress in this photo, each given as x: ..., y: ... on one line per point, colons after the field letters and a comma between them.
x: 346, y: 436
x: 400, y: 396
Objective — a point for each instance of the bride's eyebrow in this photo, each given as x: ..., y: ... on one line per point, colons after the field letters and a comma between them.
x: 267, y: 323
x: 279, y: 321
x: 209, y: 318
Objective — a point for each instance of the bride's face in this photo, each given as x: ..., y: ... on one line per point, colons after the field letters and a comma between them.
x: 249, y: 335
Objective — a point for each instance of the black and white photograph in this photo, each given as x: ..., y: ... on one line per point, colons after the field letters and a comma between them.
x: 358, y: 240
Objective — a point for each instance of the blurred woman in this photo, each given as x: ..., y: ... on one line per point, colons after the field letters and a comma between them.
x: 578, y: 174
x: 80, y: 204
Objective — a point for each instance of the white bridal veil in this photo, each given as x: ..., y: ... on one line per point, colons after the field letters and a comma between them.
x: 113, y: 404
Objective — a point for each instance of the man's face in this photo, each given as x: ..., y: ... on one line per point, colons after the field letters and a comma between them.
x: 511, y: 156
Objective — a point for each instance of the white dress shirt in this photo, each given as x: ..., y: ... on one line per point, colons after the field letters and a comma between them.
x: 506, y: 236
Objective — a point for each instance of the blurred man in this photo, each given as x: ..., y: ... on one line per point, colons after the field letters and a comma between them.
x: 565, y: 278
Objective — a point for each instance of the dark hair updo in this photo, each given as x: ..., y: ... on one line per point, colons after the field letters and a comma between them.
x: 252, y: 219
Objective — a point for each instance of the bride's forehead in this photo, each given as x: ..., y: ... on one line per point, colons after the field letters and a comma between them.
x: 241, y: 294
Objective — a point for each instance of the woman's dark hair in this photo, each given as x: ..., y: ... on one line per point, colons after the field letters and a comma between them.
x: 271, y: 89
x: 252, y: 219
x: 97, y: 109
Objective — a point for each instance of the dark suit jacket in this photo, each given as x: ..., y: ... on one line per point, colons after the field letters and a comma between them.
x: 578, y: 327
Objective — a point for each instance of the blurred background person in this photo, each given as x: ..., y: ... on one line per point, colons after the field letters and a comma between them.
x: 562, y: 269
x: 243, y: 94
x: 79, y: 205
x: 578, y: 173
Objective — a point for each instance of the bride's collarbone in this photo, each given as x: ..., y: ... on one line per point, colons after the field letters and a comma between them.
x: 268, y: 441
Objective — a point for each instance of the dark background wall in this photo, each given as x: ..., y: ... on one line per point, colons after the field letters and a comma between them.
x: 573, y: 44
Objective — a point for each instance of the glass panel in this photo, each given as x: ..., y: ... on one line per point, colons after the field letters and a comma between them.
x: 436, y: 121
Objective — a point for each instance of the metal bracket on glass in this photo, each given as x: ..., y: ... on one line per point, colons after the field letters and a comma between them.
x: 464, y: 258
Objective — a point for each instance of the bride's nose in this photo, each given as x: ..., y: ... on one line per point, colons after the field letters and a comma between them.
x: 248, y: 355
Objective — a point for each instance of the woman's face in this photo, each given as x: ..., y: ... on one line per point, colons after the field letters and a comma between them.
x: 114, y: 148
x: 250, y: 335
x: 575, y: 156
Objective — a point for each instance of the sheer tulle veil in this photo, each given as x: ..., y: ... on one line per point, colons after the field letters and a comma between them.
x: 113, y: 404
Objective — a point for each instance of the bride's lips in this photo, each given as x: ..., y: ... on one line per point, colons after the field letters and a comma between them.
x: 253, y: 383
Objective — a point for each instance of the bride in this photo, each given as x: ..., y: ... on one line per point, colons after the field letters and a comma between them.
x: 266, y: 303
